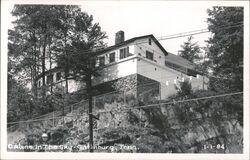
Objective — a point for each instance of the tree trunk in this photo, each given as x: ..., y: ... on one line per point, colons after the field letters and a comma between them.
x: 35, y: 68
x: 67, y: 64
x: 50, y: 61
x: 43, y: 68
x: 67, y: 84
x: 89, y: 92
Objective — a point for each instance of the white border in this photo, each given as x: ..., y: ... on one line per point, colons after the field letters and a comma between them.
x: 17, y: 155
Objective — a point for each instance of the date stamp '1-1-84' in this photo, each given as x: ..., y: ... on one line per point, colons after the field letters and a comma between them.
x: 210, y: 146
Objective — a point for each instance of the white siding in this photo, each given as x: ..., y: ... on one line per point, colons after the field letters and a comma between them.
x: 125, y: 67
x: 141, y: 46
x: 158, y: 73
x: 117, y: 54
x: 138, y: 63
x: 163, y: 75
x: 73, y: 85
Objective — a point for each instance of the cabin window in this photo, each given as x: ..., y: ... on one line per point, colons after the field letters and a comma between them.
x: 149, y: 41
x: 150, y: 55
x: 50, y: 79
x: 58, y: 76
x: 97, y: 62
x: 102, y: 61
x: 112, y: 57
x: 124, y: 52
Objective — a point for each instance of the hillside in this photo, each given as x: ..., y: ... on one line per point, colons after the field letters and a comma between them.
x: 204, y: 126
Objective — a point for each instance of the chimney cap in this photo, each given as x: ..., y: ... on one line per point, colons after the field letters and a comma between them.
x: 119, y: 37
x: 120, y: 31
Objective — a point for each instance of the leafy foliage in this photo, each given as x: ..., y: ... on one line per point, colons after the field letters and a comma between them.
x: 190, y: 51
x: 45, y: 36
x: 20, y: 106
x: 79, y: 45
x: 179, y: 129
x: 184, y: 128
x: 225, y: 50
x: 184, y: 88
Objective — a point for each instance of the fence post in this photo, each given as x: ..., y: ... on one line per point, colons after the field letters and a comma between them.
x: 159, y: 91
x: 94, y: 103
x: 124, y: 97
x: 71, y: 108
x: 53, y: 118
x: 140, y: 118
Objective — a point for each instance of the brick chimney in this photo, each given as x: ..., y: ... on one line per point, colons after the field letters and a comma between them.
x: 119, y: 37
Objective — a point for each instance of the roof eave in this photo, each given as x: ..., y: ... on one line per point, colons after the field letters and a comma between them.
x: 131, y: 41
x: 159, y: 45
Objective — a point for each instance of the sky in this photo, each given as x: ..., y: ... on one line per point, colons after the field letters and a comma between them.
x: 142, y: 18
x: 159, y: 19
x: 136, y: 19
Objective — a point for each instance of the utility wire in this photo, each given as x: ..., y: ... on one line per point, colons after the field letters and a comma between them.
x: 82, y: 101
x: 172, y: 36
x: 191, y: 120
x: 178, y: 35
x: 140, y: 107
x: 86, y: 100
x: 174, y: 102
x: 185, y: 34
x: 168, y: 83
x: 204, y: 30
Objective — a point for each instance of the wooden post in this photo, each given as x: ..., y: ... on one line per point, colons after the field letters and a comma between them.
x: 124, y: 97
x: 204, y: 69
x: 63, y: 106
x: 53, y: 118
x: 94, y: 103
x: 89, y: 87
x: 159, y: 91
x: 140, y: 118
x: 203, y: 83
x: 71, y: 108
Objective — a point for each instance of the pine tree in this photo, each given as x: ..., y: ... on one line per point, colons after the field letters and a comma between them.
x: 225, y: 50
x: 51, y: 33
x: 190, y: 51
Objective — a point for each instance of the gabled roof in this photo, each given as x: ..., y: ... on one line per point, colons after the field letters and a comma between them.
x: 133, y: 40
x: 172, y: 58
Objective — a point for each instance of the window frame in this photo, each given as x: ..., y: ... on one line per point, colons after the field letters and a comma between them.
x: 50, y: 79
x: 149, y: 41
x: 101, y: 61
x: 58, y: 76
x: 150, y: 55
x: 125, y: 52
x: 112, y: 57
